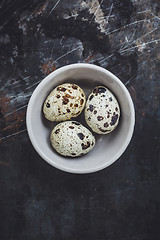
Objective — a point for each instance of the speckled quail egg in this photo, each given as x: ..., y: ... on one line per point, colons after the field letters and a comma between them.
x: 102, y: 110
x: 70, y: 138
x: 64, y: 102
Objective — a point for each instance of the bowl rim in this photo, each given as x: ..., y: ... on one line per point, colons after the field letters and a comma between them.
x: 44, y: 82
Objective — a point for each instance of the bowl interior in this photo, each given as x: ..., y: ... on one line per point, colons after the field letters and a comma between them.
x: 108, y: 147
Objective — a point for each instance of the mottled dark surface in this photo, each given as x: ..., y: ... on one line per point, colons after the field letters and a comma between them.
x: 39, y: 202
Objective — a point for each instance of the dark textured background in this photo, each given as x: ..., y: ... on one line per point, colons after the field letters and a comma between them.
x: 36, y: 200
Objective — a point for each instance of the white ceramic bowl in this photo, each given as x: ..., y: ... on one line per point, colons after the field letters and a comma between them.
x: 108, y: 147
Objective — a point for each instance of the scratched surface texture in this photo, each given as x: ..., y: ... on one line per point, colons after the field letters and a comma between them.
x: 38, y: 201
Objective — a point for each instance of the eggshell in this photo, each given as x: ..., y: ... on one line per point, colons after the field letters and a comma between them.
x: 64, y: 102
x: 72, y: 139
x: 102, y: 110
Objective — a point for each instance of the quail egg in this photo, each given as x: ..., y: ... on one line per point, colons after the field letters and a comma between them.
x: 102, y: 110
x: 64, y: 102
x: 70, y: 138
